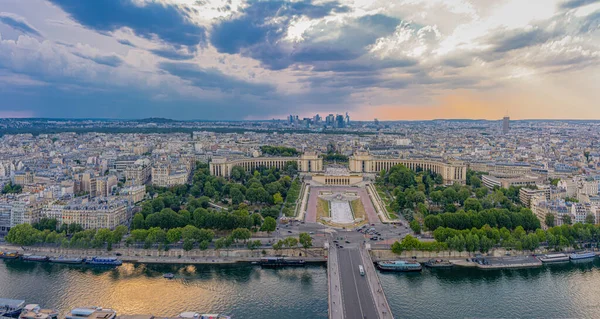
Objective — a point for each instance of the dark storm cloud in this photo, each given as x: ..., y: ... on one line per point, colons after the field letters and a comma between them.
x: 572, y: 4
x: 18, y: 24
x: 109, y: 60
x: 213, y: 79
x: 258, y: 31
x: 168, y: 22
x: 231, y: 36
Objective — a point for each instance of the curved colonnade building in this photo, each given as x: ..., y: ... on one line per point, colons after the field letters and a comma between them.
x: 360, y: 163
x: 451, y: 171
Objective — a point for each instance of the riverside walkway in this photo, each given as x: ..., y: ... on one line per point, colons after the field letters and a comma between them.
x: 352, y: 295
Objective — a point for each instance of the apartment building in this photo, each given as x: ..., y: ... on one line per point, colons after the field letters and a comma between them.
x: 97, y: 213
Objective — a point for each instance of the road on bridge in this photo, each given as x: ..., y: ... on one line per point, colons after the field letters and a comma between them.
x: 357, y: 299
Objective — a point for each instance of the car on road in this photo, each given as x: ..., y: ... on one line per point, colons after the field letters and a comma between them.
x: 311, y: 233
x: 347, y: 242
x: 335, y: 241
x: 373, y: 238
x: 289, y: 231
x: 340, y: 246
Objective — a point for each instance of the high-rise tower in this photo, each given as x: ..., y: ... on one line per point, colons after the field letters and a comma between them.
x: 505, y: 125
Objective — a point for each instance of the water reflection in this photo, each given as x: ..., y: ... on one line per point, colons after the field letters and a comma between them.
x: 244, y: 291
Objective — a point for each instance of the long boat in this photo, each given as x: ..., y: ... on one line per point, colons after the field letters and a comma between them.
x: 34, y: 311
x: 29, y: 257
x: 65, y: 260
x: 438, y: 263
x: 274, y: 262
x: 399, y: 265
x: 553, y: 258
x: 103, y: 261
x: 195, y: 315
x: 9, y: 255
x: 582, y: 255
x: 11, y: 307
x: 91, y: 313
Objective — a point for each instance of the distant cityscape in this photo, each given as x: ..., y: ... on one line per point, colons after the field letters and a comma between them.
x: 61, y: 174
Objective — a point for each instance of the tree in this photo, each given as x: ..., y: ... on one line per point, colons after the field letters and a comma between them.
x: 188, y: 244
x: 203, y: 245
x: 437, y: 197
x: 11, y: 188
x: 277, y: 198
x: 475, y: 182
x: 118, y: 233
x: 241, y: 234
x: 432, y: 222
x: 567, y: 220
x: 174, y: 235
x: 472, y: 204
x: 138, y: 221
x: 236, y: 196
x: 254, y: 244
x: 23, y: 234
x: 305, y: 240
x: 415, y: 226
x: 549, y: 220
x: 590, y: 219
x: 269, y: 225
x: 291, y: 242
x: 46, y: 223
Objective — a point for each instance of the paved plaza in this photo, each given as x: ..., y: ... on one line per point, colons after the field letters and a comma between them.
x: 311, y: 209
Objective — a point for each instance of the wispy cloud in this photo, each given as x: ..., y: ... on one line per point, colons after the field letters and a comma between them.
x: 18, y: 23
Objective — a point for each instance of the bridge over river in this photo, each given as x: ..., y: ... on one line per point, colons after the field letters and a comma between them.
x: 352, y: 295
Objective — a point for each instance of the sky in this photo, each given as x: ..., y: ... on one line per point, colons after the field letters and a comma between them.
x: 252, y: 59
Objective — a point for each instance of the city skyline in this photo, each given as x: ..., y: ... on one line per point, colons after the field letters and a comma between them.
x: 250, y: 60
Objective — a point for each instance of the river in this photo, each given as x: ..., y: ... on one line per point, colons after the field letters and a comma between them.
x: 237, y: 290
x: 562, y: 290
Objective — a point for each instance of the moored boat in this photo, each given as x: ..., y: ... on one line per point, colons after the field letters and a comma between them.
x: 582, y: 255
x: 65, y: 260
x: 195, y: 315
x: 9, y: 255
x: 438, y: 263
x: 91, y: 313
x: 553, y: 258
x: 281, y: 262
x: 29, y: 257
x: 34, y: 311
x: 399, y: 265
x: 169, y: 275
x: 104, y: 261
x: 11, y: 307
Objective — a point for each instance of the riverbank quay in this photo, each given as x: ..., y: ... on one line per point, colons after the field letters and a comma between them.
x: 496, y: 259
x: 179, y: 256
x: 499, y: 262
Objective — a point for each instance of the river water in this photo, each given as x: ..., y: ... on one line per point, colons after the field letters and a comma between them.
x: 556, y: 291
x: 240, y: 291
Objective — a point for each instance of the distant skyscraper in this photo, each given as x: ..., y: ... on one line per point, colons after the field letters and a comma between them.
x: 339, y: 121
x: 330, y: 119
x: 505, y: 125
x: 347, y: 119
